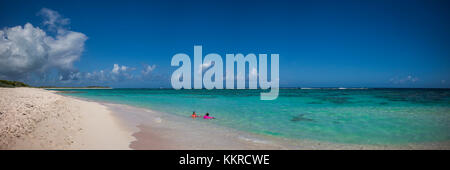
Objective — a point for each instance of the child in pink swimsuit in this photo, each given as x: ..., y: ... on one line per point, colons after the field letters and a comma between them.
x: 208, y: 117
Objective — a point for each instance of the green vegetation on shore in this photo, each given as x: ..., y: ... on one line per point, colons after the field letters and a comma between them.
x: 11, y: 84
x: 6, y: 83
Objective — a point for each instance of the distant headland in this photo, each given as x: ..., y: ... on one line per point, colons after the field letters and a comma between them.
x: 12, y: 84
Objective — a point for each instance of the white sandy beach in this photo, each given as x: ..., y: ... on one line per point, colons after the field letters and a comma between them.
x: 34, y: 118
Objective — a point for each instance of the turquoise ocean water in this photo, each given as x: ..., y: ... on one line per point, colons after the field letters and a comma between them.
x: 356, y: 116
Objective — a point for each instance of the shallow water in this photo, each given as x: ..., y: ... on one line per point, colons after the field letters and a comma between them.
x: 356, y: 116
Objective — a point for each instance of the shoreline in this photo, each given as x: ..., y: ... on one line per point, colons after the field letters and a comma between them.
x: 40, y: 119
x: 160, y: 131
x: 44, y: 119
x: 184, y: 133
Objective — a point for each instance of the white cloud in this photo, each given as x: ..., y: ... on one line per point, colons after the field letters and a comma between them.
x: 147, y: 69
x: 95, y: 76
x: 29, y: 50
x: 123, y: 68
x: 47, y: 55
x: 115, y: 74
x: 115, y: 69
x: 121, y: 72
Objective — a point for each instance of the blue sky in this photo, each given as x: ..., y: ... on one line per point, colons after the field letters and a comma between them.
x: 321, y: 43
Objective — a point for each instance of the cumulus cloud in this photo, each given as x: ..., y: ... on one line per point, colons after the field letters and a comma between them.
x: 27, y: 50
x: 114, y: 74
x: 148, y: 69
x: 96, y: 76
x: 117, y: 69
x: 46, y: 55
x: 119, y: 72
x: 124, y: 68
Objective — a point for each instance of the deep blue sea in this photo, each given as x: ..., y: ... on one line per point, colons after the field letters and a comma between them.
x: 356, y: 116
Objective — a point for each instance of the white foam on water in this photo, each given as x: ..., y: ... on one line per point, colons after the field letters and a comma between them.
x: 254, y: 140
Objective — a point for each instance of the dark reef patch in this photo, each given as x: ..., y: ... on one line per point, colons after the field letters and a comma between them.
x: 301, y: 117
x: 335, y: 99
x: 314, y: 103
x: 417, y: 96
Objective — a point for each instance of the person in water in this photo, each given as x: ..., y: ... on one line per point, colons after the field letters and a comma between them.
x: 208, y: 117
x: 194, y: 115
